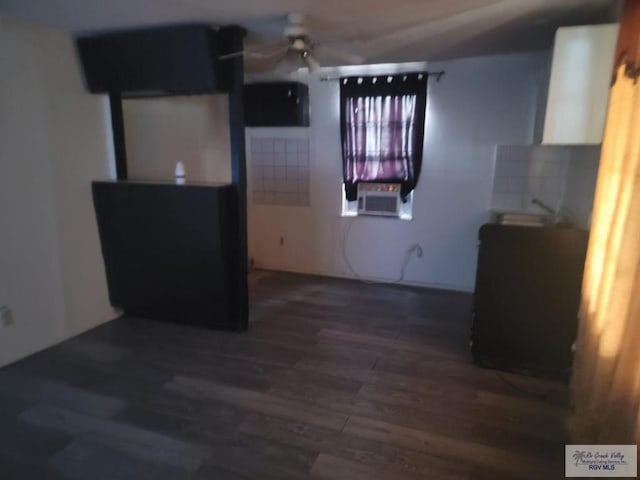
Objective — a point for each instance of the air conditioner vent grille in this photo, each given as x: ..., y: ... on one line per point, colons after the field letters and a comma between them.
x: 380, y: 203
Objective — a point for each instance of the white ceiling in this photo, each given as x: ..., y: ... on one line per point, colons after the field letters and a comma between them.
x: 380, y: 31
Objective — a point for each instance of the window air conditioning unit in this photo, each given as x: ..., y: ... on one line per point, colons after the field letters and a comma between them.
x: 379, y: 199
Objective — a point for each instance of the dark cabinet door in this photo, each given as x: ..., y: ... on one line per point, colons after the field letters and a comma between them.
x: 527, y: 297
x: 281, y: 104
x: 176, y: 59
x: 168, y: 251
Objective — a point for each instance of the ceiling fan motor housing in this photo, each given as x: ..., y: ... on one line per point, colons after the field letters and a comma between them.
x: 295, y: 31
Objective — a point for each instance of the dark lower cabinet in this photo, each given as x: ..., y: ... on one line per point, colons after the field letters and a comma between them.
x: 527, y: 297
x: 170, y: 251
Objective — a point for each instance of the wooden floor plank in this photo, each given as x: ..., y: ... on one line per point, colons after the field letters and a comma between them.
x: 357, y: 449
x: 483, y: 455
x: 329, y: 467
x: 78, y: 461
x: 334, y: 379
x: 144, y: 444
x: 41, y: 390
x: 24, y: 469
x: 257, y: 402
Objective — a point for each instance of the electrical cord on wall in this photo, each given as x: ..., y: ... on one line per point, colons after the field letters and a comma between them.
x: 407, y: 258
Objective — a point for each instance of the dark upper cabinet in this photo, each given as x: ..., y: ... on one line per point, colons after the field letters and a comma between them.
x: 279, y: 104
x: 154, y: 61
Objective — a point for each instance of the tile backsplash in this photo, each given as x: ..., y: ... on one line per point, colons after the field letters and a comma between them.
x: 525, y: 172
x: 581, y: 184
x: 562, y: 177
x: 280, y: 171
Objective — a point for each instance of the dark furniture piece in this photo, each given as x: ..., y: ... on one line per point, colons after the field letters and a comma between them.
x: 279, y: 104
x: 527, y: 297
x: 180, y: 59
x: 169, y: 251
x: 173, y: 253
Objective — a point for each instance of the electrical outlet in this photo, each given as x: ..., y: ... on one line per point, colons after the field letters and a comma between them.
x: 6, y: 316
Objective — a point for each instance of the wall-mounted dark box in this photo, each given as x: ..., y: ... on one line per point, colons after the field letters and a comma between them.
x: 279, y: 104
x: 154, y: 61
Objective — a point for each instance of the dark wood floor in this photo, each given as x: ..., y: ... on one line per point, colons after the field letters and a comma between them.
x: 335, y: 379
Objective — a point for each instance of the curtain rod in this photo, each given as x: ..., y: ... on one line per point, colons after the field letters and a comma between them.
x: 437, y: 74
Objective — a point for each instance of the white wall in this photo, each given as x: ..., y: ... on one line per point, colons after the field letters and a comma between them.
x: 478, y: 103
x: 162, y: 131
x: 54, y: 139
x: 583, y: 58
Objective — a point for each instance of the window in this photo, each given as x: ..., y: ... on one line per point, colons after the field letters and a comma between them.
x: 382, y: 126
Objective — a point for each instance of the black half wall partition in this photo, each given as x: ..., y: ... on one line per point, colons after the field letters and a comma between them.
x: 172, y: 252
x: 168, y: 250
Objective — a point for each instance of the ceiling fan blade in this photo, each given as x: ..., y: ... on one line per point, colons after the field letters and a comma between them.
x: 230, y: 56
x: 265, y: 65
x: 266, y: 47
x: 348, y: 57
x: 298, y: 47
x: 289, y: 63
x: 251, y: 53
x: 312, y: 63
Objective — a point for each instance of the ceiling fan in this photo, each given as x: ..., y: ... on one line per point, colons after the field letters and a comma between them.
x: 296, y: 51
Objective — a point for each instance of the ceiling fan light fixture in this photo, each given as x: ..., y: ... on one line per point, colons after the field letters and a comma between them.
x: 299, y: 44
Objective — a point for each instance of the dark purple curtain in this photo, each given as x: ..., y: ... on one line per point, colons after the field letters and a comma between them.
x: 382, y: 124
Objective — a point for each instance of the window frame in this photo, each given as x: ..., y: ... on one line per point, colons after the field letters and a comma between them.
x: 414, y: 84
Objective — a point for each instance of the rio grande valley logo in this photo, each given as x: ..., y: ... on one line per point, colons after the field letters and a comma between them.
x: 600, y: 460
